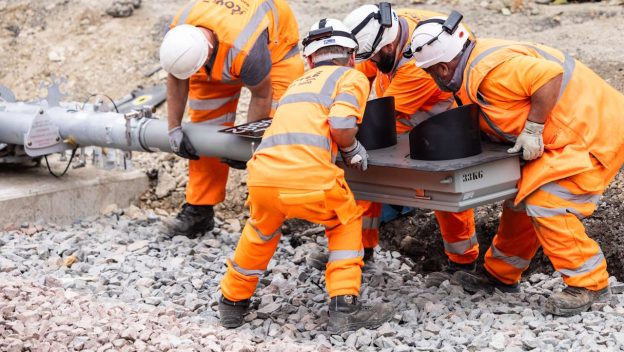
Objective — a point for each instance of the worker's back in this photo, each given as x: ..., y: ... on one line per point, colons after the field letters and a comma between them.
x: 297, y: 151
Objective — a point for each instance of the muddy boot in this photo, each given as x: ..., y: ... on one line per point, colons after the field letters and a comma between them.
x: 192, y: 220
x: 573, y: 300
x: 232, y: 313
x: 482, y: 281
x: 347, y: 314
x: 438, y: 277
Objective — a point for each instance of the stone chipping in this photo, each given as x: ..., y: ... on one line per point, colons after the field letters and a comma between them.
x: 129, y: 287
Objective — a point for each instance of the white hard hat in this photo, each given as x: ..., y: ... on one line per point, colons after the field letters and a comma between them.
x: 184, y: 51
x: 328, y: 32
x: 374, y: 26
x: 432, y: 43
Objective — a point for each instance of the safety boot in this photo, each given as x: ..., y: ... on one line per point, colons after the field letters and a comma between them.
x: 346, y: 313
x: 482, y: 281
x: 318, y: 260
x: 573, y: 300
x: 192, y: 220
x: 436, y: 278
x: 232, y: 313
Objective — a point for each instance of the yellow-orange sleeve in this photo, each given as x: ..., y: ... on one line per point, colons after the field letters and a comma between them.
x: 521, y: 76
x: 411, y: 88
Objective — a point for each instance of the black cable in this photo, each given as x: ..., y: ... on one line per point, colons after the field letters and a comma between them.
x: 71, y: 158
x: 104, y: 95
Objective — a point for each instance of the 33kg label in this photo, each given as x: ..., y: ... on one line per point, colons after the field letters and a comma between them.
x: 472, y: 176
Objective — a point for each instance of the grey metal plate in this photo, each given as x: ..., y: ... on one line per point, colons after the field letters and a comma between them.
x: 398, y: 156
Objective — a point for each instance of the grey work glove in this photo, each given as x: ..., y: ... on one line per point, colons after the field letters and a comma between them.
x: 355, y: 156
x: 181, y: 145
x: 530, y: 141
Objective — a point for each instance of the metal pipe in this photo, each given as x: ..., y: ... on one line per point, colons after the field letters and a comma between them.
x: 118, y: 131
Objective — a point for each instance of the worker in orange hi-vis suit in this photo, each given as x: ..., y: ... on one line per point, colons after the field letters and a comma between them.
x: 292, y: 174
x: 567, y: 122
x: 417, y: 98
x: 213, y: 49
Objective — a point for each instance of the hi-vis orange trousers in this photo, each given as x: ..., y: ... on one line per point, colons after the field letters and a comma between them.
x: 215, y: 103
x: 269, y: 207
x: 551, y: 217
x: 458, y: 232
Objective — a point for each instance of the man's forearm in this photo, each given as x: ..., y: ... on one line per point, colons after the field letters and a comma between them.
x: 543, y: 101
x: 259, y: 108
x: 344, y: 137
x: 177, y: 93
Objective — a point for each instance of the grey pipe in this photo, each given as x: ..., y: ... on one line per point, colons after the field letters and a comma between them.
x: 108, y: 129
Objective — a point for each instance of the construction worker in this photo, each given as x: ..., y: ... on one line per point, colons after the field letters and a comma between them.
x: 568, y: 124
x: 292, y: 175
x: 214, y: 49
x: 383, y: 35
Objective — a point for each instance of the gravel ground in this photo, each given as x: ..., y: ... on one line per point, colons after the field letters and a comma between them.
x: 114, y: 282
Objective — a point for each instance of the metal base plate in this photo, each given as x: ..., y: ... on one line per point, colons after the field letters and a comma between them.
x: 449, y: 185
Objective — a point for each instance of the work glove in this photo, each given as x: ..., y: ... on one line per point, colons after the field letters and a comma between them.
x: 355, y: 156
x: 236, y: 164
x: 530, y: 141
x: 181, y: 145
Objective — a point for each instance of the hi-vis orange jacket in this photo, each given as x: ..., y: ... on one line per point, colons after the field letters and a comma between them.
x: 415, y: 93
x: 237, y: 25
x: 297, y: 151
x: 588, y: 119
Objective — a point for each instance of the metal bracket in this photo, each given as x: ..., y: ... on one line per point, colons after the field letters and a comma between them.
x: 43, y: 136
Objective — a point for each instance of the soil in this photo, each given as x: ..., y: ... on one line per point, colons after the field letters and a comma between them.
x: 99, y: 54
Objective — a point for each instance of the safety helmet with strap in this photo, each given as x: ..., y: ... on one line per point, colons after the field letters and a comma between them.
x: 438, y: 39
x: 328, y: 32
x: 374, y: 26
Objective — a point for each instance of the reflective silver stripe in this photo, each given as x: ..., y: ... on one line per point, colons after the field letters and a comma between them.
x: 332, y: 80
x: 370, y: 223
x: 274, y: 104
x: 324, y: 100
x: 229, y: 117
x: 461, y: 247
x: 342, y: 122
x: 308, y: 139
x: 344, y: 254
x: 244, y: 36
x: 508, y: 137
x: 292, y: 52
x: 348, y: 98
x: 516, y: 262
x: 211, y: 104
x: 246, y: 272
x: 186, y: 11
x: 543, y: 212
x: 476, y: 61
x: 587, y: 267
x: 563, y: 193
x: 263, y: 237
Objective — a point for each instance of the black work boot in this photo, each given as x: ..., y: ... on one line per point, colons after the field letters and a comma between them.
x: 319, y: 260
x: 436, y: 278
x: 482, y: 281
x: 347, y: 314
x: 232, y: 313
x: 573, y: 300
x: 192, y: 220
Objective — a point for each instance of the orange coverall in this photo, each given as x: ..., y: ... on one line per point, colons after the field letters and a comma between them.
x: 417, y: 98
x: 583, y: 151
x: 213, y: 95
x: 293, y: 175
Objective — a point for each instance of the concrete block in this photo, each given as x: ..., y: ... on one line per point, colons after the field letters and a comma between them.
x: 32, y: 195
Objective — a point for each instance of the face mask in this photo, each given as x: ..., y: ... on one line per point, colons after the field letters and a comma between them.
x: 386, y: 63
